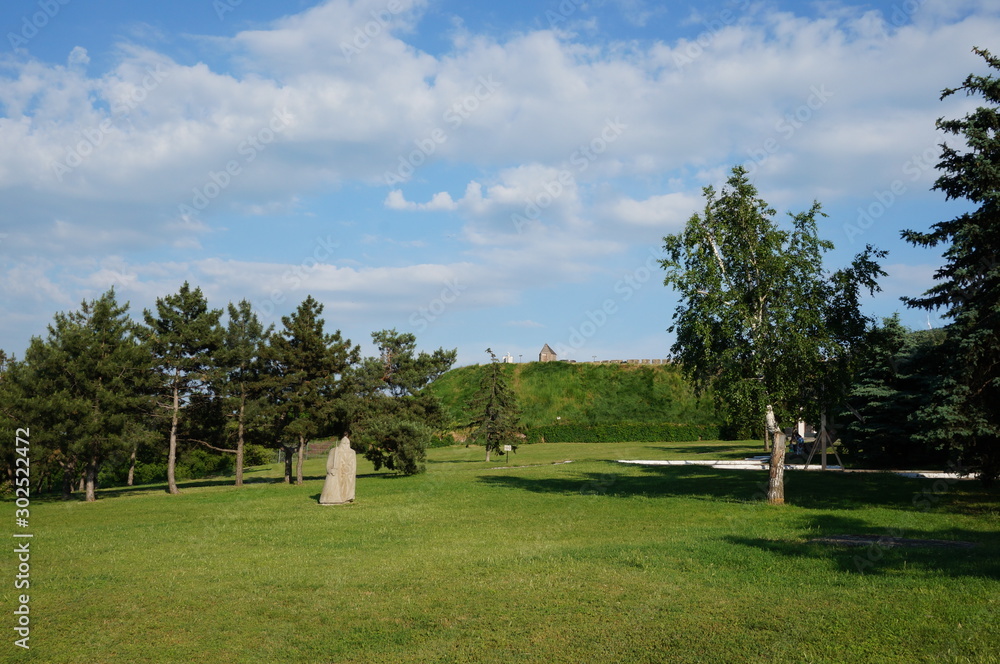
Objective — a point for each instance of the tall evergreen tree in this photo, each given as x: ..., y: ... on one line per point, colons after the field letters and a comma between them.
x: 496, y: 421
x: 241, y: 379
x: 93, y: 370
x: 307, y: 390
x: 760, y: 320
x: 965, y: 415
x: 184, y: 335
x: 394, y: 416
x: 898, y: 373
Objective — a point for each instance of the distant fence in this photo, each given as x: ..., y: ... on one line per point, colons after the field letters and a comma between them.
x: 653, y: 361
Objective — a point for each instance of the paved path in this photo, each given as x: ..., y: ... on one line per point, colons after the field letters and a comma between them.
x: 762, y: 464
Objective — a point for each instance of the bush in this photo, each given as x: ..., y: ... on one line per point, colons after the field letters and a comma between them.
x: 398, y: 445
x: 195, y: 464
x: 621, y: 433
x: 256, y: 455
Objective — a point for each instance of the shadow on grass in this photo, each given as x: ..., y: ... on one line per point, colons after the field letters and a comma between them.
x: 809, y: 489
x: 880, y: 556
x: 718, y: 448
x: 145, y: 489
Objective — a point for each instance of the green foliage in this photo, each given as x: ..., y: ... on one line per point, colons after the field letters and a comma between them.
x: 393, y: 414
x: 307, y: 390
x: 624, y: 432
x: 964, y: 416
x: 896, y: 379
x: 256, y: 455
x: 582, y: 393
x: 396, y: 444
x: 759, y: 320
x: 86, y: 381
x: 495, y: 419
x: 183, y: 337
x: 241, y: 382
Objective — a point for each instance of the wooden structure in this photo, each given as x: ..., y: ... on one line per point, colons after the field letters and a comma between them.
x: 824, y: 442
x: 547, y: 354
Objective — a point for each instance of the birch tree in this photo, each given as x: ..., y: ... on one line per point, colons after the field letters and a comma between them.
x: 759, y: 319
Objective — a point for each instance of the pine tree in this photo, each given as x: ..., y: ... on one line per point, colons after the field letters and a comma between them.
x: 394, y: 417
x: 241, y: 379
x: 965, y: 416
x: 91, y: 380
x: 307, y: 389
x: 496, y: 422
x: 183, y: 337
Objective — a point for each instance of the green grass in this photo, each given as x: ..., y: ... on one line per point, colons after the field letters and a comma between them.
x: 583, y: 393
x: 589, y: 561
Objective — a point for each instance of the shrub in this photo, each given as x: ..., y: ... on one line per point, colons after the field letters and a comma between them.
x: 625, y: 432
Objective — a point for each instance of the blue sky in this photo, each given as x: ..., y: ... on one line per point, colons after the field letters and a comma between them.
x: 475, y: 174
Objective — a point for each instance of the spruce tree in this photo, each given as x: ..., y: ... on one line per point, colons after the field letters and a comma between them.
x: 965, y: 416
x: 496, y: 420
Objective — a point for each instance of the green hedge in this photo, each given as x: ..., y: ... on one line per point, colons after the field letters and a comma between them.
x: 621, y: 433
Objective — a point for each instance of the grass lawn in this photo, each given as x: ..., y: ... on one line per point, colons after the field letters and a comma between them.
x: 589, y: 561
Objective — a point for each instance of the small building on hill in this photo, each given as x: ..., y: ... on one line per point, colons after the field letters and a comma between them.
x: 547, y: 354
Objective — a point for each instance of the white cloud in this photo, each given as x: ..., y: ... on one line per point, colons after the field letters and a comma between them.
x: 98, y: 163
x: 667, y: 212
x: 440, y: 201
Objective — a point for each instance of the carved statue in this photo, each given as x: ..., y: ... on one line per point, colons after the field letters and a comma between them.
x: 772, y: 423
x: 341, y: 471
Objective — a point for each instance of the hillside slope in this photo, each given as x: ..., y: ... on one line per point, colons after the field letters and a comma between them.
x: 583, y: 393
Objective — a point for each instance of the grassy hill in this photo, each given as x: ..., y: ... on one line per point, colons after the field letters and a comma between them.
x: 584, y: 394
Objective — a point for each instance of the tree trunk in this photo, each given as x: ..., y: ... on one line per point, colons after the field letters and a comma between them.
x: 239, y: 445
x: 90, y: 480
x: 172, y: 455
x: 776, y: 479
x: 487, y: 453
x: 300, y: 459
x: 67, y: 488
x: 288, y: 464
x: 131, y: 464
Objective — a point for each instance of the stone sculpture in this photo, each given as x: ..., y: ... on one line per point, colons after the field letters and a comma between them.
x: 341, y: 470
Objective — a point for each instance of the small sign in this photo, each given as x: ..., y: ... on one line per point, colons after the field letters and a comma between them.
x: 507, y: 448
